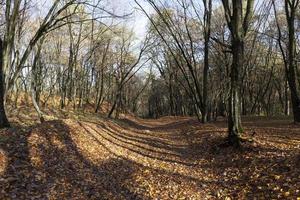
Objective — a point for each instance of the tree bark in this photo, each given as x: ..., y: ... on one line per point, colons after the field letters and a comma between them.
x: 234, y: 118
x: 34, y: 76
x: 290, y: 8
x: 3, y: 119
x: 207, y: 32
x: 238, y: 22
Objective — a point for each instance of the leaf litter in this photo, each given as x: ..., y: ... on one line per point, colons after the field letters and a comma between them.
x: 169, y: 158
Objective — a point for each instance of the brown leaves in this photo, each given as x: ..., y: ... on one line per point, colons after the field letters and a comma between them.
x: 172, y: 158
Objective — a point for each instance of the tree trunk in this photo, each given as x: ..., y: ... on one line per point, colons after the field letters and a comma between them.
x: 207, y: 32
x: 234, y: 118
x: 3, y: 119
x: 34, y: 76
x: 238, y: 22
x: 286, y: 99
x: 291, y: 55
x: 100, y: 96
x: 112, y: 109
x: 115, y: 105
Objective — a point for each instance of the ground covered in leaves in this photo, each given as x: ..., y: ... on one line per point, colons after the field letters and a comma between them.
x: 88, y: 157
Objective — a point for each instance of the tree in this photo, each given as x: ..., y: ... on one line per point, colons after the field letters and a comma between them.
x: 289, y: 55
x: 126, y: 67
x: 178, y: 35
x: 35, y: 75
x: 207, y: 31
x: 3, y: 119
x: 238, y: 18
x: 52, y: 20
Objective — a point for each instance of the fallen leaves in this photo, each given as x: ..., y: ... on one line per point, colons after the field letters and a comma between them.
x: 171, y: 158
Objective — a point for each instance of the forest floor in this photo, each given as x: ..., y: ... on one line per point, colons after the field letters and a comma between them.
x: 77, y: 156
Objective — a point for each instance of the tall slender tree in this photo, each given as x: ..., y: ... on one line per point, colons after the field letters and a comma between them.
x: 207, y: 31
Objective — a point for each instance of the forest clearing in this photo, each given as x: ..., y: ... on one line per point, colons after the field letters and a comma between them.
x: 88, y: 157
x: 149, y: 99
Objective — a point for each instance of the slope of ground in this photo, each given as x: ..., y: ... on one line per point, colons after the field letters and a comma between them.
x: 86, y: 157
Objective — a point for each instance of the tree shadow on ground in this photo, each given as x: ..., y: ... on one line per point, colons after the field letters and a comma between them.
x: 144, y: 148
x: 265, y: 170
x: 173, y: 125
x: 45, y: 163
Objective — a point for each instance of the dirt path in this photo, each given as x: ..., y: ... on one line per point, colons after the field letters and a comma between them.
x: 170, y: 158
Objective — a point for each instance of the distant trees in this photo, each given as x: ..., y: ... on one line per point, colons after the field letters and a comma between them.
x: 199, y: 58
x: 13, y: 60
x: 126, y: 67
x: 234, y: 68
x: 67, y: 54
x: 289, y: 52
x: 178, y: 32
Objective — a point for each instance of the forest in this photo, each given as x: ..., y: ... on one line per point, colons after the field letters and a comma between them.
x: 149, y: 99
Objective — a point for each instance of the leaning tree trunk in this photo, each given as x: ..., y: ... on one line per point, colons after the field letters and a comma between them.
x: 115, y: 104
x: 34, y: 76
x: 35, y: 103
x: 3, y: 119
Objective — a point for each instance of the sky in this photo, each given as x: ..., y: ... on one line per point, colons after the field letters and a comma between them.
x: 137, y: 21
